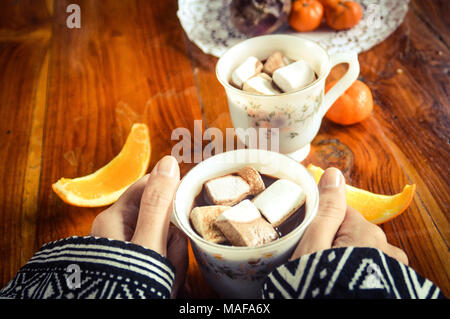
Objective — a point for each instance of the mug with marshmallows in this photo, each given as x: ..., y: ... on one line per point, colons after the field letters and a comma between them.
x: 285, y: 95
x: 241, y: 221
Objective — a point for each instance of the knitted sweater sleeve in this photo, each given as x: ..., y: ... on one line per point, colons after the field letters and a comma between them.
x: 348, y: 272
x: 91, y: 267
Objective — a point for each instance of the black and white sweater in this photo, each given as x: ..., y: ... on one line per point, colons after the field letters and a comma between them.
x: 89, y: 267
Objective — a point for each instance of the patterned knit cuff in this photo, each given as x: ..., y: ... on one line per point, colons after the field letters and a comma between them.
x: 92, y: 267
x: 348, y: 272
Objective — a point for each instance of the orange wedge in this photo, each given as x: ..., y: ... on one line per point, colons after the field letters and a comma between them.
x: 105, y: 186
x: 375, y: 208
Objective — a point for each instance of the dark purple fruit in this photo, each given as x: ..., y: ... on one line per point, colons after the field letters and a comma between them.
x: 258, y: 17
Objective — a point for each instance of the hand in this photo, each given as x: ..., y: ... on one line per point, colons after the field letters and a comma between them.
x: 337, y: 225
x: 142, y: 215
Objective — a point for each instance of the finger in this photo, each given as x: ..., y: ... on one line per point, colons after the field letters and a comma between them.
x: 177, y: 253
x: 126, y: 209
x: 155, y: 207
x: 353, y: 216
x: 396, y: 253
x: 332, y: 206
x: 132, y: 196
x: 119, y: 220
x: 358, y: 231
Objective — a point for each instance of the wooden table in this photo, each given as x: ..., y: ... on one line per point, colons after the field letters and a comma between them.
x: 68, y: 98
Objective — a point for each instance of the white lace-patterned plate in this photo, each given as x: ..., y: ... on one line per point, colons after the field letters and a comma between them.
x: 207, y: 23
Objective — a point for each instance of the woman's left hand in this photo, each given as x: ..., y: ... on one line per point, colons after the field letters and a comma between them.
x: 142, y: 215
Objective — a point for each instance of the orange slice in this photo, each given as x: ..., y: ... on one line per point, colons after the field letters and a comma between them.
x: 105, y: 186
x: 375, y: 208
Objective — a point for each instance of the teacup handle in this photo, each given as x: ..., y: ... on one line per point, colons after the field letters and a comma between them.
x: 345, y: 82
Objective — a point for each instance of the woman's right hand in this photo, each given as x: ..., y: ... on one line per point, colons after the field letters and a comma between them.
x: 337, y: 225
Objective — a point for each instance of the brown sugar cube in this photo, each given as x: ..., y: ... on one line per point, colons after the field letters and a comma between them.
x: 243, y: 225
x: 227, y: 190
x: 253, y: 178
x: 203, y: 218
x: 274, y: 62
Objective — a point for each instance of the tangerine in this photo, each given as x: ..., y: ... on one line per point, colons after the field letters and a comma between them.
x: 353, y: 106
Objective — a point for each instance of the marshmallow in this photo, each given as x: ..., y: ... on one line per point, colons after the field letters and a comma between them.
x: 294, y: 76
x: 227, y: 190
x: 253, y: 179
x: 288, y: 60
x: 203, y: 218
x: 243, y: 225
x: 250, y: 67
x: 274, y: 62
x: 280, y: 200
x: 261, y: 84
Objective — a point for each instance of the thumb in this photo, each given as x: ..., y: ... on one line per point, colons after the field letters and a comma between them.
x: 332, y: 206
x: 156, y: 204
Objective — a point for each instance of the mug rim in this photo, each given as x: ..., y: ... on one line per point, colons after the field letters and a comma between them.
x: 227, y: 85
x: 242, y: 249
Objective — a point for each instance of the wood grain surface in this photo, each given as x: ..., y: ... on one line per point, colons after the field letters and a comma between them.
x: 69, y: 97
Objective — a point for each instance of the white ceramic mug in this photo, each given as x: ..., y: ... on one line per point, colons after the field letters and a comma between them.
x: 238, y: 272
x: 297, y: 114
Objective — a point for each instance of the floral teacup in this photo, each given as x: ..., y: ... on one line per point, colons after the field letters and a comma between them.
x: 239, y: 272
x: 297, y: 115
